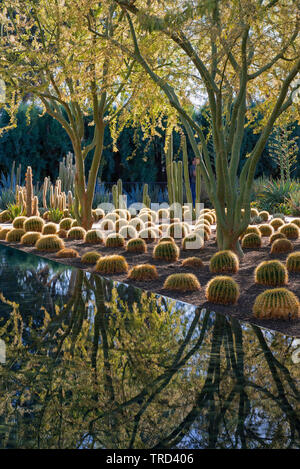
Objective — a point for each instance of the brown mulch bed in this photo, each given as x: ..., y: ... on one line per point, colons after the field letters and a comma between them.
x: 244, y: 277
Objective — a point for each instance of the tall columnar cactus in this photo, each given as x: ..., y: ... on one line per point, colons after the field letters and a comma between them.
x: 45, y: 188
x: 67, y: 173
x: 178, y: 175
x: 146, y: 198
x: 29, y: 192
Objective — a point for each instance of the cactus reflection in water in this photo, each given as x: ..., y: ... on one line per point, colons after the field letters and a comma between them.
x: 104, y: 365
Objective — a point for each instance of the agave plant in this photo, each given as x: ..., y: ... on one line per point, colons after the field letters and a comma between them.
x: 275, y: 194
x: 294, y: 202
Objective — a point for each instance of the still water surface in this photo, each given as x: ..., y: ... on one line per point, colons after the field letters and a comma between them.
x: 88, y: 363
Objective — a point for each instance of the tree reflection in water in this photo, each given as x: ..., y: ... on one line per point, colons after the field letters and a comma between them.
x: 92, y: 364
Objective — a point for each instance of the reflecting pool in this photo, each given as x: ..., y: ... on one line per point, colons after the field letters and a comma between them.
x: 89, y: 363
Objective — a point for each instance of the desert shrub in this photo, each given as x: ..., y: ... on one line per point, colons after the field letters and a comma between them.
x: 143, y: 272
x: 276, y: 223
x: 90, y: 257
x: 136, y: 245
x: 224, y: 261
x: 281, y: 246
x: 182, y: 282
x: 34, y: 224
x: 272, y: 273
x: 222, y: 290
x: 14, y: 235
x: 93, y: 237
x: 30, y: 238
x: 111, y: 265
x: 67, y: 253
x: 266, y: 230
x: 115, y: 240
x: 65, y: 223
x: 278, y: 303
x: 290, y: 230
x: 192, y: 241
x: 251, y: 241
x: 167, y: 251
x: 49, y: 228
x: 293, y: 262
x: 19, y: 222
x: 49, y: 243
x: 193, y: 262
